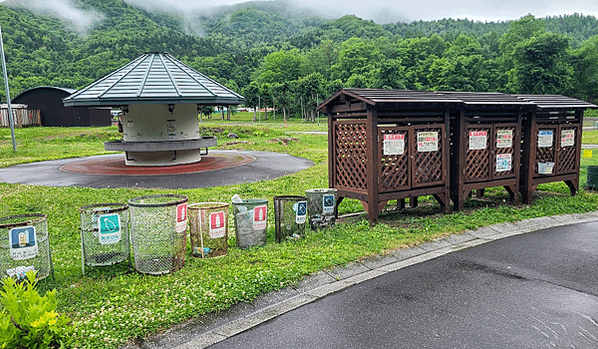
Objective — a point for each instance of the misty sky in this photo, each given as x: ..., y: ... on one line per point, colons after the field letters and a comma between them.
x: 384, y: 11
x: 381, y: 11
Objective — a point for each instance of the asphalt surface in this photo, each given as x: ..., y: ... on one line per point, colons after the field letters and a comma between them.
x: 538, y: 290
x: 267, y: 165
x: 529, y: 284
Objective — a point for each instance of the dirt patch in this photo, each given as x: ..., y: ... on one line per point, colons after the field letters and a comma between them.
x: 216, y: 130
x: 284, y: 140
x: 239, y: 142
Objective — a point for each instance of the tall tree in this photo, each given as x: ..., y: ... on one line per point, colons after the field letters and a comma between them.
x: 518, y: 31
x: 541, y: 65
x: 585, y: 61
x: 251, y: 94
x: 311, y: 88
x: 357, y: 57
x: 321, y: 58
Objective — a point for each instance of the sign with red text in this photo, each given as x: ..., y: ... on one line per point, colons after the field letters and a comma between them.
x: 478, y: 140
x: 217, y: 226
x: 504, y: 162
x: 393, y: 144
x: 181, y: 218
x: 504, y: 138
x: 427, y: 141
x: 567, y: 138
x: 260, y: 214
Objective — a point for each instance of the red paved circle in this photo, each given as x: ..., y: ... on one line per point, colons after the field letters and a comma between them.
x: 116, y: 166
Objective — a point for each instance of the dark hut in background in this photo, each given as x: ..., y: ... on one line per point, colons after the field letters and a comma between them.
x: 48, y: 100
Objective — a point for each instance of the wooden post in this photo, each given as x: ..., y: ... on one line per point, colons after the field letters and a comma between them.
x: 517, y: 157
x: 445, y: 205
x: 458, y: 180
x: 331, y: 149
x: 372, y: 165
x: 574, y: 185
x: 530, y: 143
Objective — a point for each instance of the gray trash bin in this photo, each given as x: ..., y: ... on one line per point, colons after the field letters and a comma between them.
x: 158, y: 233
x: 25, y: 246
x: 104, y: 234
x: 321, y: 207
x: 251, y: 222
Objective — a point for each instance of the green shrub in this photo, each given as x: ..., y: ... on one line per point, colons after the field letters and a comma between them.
x: 29, y: 320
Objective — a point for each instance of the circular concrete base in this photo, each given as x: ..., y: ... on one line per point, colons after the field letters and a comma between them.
x: 117, y: 166
x: 222, y: 167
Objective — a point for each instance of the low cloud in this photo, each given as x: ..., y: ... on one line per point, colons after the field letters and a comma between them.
x: 187, y: 12
x: 81, y: 20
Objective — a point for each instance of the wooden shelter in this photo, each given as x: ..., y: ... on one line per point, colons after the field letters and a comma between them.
x: 388, y: 144
x: 22, y: 116
x: 484, y: 147
x: 394, y: 144
x: 551, y: 139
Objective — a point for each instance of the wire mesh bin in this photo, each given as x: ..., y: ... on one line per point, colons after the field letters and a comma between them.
x: 25, y: 246
x: 290, y: 215
x: 251, y: 222
x: 208, y: 226
x: 321, y: 207
x: 158, y: 233
x: 104, y: 234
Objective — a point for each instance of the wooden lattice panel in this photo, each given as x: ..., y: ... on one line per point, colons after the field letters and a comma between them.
x: 478, y: 160
x: 567, y: 153
x: 428, y: 166
x: 544, y: 154
x: 502, y: 151
x: 350, y: 157
x: 394, y: 159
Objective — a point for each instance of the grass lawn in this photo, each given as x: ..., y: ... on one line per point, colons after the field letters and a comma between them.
x: 112, y: 305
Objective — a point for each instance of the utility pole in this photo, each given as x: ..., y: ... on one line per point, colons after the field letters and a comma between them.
x: 10, y: 116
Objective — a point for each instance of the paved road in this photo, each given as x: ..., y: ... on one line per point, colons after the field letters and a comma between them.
x: 267, y: 166
x: 536, y: 290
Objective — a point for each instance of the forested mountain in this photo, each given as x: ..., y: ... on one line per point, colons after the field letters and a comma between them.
x: 292, y: 59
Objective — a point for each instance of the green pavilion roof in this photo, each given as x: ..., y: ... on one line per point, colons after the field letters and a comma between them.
x: 154, y: 78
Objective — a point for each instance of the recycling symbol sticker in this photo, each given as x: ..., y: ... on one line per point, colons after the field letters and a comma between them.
x: 328, y: 204
x: 300, y: 209
x: 109, y: 229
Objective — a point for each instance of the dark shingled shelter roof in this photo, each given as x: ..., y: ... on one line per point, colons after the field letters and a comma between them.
x: 154, y: 78
x: 555, y: 102
x: 376, y: 97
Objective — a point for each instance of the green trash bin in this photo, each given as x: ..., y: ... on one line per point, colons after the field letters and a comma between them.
x: 251, y: 222
x: 592, y: 177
